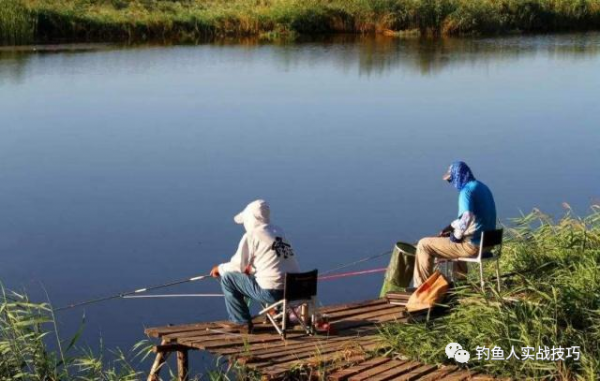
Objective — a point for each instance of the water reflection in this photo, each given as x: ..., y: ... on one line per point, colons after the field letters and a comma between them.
x: 122, y: 167
x: 365, y: 55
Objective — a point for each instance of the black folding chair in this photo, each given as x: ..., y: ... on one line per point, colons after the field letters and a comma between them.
x: 299, y: 289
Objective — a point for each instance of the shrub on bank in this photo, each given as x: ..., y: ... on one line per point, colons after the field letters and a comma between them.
x: 17, y: 24
x: 191, y: 20
x: 26, y: 331
x: 554, y: 301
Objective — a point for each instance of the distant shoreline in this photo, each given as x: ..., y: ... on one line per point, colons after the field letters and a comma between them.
x: 38, y: 21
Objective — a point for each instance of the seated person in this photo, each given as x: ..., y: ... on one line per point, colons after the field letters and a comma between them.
x: 257, y: 270
x: 476, y: 213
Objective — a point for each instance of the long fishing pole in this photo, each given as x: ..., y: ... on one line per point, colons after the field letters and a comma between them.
x: 129, y: 294
x: 365, y: 259
x: 172, y: 296
x: 125, y: 294
x: 352, y: 273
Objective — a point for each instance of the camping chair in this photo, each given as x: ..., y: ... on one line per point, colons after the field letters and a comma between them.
x: 489, y: 240
x: 298, y: 289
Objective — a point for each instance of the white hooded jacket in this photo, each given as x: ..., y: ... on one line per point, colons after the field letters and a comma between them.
x: 263, y: 248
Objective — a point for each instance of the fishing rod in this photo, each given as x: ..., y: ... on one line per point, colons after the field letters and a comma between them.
x: 172, y: 296
x: 129, y: 293
x: 132, y: 294
x: 365, y: 259
x: 353, y: 273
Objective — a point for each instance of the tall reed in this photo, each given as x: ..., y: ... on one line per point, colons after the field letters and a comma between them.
x: 26, y: 331
x: 555, y: 301
x: 17, y: 23
x: 196, y: 19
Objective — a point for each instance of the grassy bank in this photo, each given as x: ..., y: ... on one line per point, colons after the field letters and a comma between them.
x: 31, y: 348
x: 557, y: 304
x: 191, y: 20
x: 17, y: 23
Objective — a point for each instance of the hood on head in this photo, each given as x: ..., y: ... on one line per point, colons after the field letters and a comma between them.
x: 459, y: 174
x: 254, y: 214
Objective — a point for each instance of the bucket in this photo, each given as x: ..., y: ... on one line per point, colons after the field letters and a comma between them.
x: 399, y: 273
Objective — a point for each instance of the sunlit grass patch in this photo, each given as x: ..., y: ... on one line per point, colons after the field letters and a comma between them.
x: 27, y: 333
x: 555, y: 301
x: 193, y: 20
x: 17, y: 23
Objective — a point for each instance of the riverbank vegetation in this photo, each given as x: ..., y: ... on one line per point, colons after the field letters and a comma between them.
x: 31, y: 348
x: 17, y: 23
x: 23, y: 21
x: 555, y: 301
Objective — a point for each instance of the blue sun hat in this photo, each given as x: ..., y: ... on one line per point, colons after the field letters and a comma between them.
x: 459, y: 174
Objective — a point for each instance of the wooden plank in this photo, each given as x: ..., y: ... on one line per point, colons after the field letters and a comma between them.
x: 417, y: 373
x: 265, y: 346
x: 205, y: 326
x: 395, y: 372
x: 294, y: 354
x: 364, y: 316
x: 157, y: 365
x: 279, y: 369
x: 350, y: 361
x: 164, y: 348
x: 309, y: 355
x: 348, y: 334
x: 370, y: 373
x: 440, y: 373
x: 182, y: 365
x: 282, y: 349
x: 232, y: 341
x: 343, y: 374
x: 349, y: 306
x: 461, y: 375
x: 399, y: 298
x: 160, y: 331
x: 317, y: 373
x: 210, y: 334
x: 358, y: 311
x: 185, y: 334
x: 398, y: 294
x: 343, y: 353
x: 354, y: 323
x: 484, y: 377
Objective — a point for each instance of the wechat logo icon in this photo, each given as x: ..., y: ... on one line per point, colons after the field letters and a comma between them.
x: 456, y: 352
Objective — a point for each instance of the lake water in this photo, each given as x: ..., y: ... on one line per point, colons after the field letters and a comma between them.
x: 121, y: 168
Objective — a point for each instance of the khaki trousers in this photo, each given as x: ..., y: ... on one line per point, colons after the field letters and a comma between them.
x: 441, y: 247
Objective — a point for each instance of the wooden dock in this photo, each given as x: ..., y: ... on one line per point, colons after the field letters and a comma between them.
x: 351, y: 350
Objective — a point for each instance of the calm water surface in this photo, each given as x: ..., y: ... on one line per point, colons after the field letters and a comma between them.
x: 121, y: 168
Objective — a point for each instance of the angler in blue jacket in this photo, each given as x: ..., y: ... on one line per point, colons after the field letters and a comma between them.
x: 476, y: 213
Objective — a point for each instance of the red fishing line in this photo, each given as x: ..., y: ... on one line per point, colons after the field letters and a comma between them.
x: 353, y: 273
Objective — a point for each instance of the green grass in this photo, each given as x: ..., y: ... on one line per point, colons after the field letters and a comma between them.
x: 17, y: 24
x: 31, y: 349
x: 192, y: 20
x: 557, y: 303
x: 28, y: 332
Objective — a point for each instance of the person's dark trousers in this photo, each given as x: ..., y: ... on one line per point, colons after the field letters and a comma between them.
x: 236, y: 286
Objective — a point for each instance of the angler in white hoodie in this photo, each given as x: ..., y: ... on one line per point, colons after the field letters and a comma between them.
x: 257, y: 269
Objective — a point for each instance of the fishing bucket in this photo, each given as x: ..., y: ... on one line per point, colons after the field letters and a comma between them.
x: 400, y: 270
